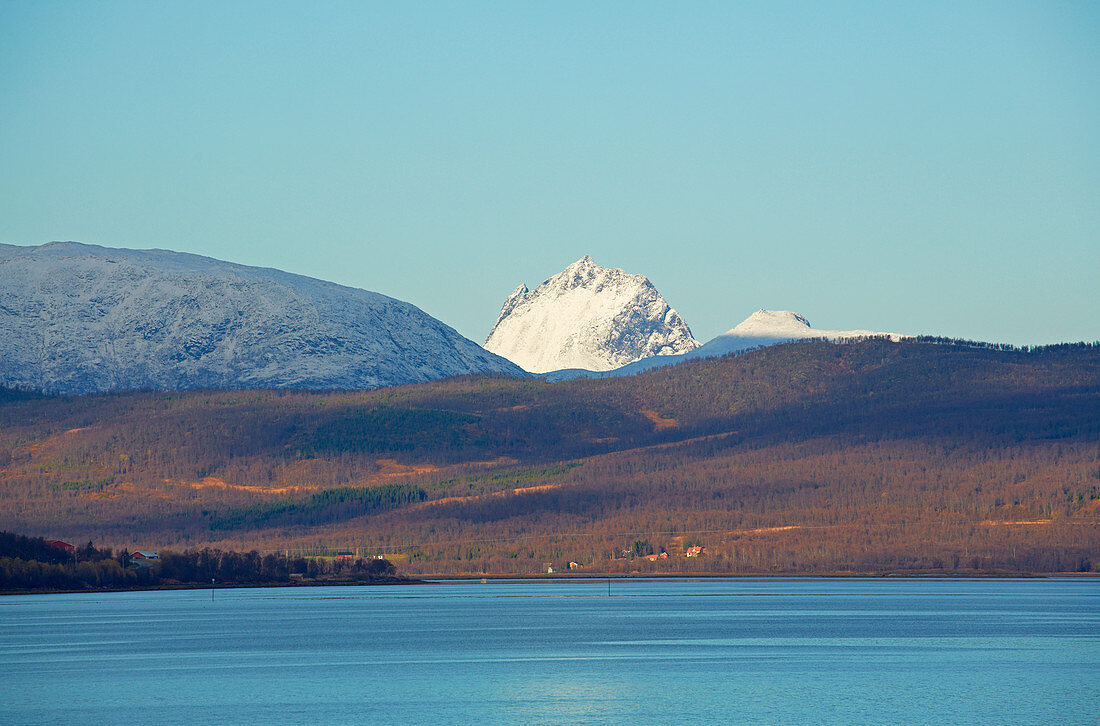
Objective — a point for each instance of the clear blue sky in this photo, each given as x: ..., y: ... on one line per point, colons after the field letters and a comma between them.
x: 917, y: 167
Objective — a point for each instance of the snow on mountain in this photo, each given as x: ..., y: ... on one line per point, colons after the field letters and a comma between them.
x: 762, y: 328
x: 79, y: 318
x: 768, y: 327
x: 590, y: 317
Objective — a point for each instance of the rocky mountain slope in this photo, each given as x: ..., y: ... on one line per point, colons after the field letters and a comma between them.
x: 80, y: 318
x: 590, y: 317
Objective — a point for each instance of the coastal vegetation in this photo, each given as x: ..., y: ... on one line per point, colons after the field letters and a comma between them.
x: 32, y: 563
x: 925, y: 455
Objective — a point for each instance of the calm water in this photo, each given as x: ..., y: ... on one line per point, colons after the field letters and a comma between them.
x: 784, y: 651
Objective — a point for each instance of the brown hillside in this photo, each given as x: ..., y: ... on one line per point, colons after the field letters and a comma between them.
x: 807, y: 457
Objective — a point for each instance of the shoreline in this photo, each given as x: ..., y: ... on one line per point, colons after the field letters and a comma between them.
x: 427, y: 579
x: 565, y: 577
x: 221, y: 586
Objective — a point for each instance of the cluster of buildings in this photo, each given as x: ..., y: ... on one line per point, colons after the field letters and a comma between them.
x: 694, y: 551
x: 138, y: 558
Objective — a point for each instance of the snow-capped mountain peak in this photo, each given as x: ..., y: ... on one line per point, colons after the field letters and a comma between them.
x: 587, y: 316
x: 580, y: 272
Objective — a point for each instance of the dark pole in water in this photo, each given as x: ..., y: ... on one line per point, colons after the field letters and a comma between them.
x: 609, y: 587
x: 211, y: 589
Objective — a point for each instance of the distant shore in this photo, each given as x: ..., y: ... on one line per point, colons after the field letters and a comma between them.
x: 426, y: 579
x: 567, y: 576
x: 222, y: 586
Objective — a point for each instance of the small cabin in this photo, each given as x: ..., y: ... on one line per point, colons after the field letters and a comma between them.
x: 63, y: 546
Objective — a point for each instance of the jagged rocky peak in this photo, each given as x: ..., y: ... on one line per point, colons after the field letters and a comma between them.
x: 80, y: 318
x: 589, y: 317
x: 517, y: 297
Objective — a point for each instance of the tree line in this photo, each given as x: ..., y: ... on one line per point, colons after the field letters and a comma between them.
x: 29, y: 563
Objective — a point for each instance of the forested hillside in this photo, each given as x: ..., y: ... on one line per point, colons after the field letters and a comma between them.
x: 804, y: 457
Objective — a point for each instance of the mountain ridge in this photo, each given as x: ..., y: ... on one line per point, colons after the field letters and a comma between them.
x: 83, y: 318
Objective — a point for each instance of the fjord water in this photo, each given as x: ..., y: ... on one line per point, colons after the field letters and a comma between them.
x: 771, y: 651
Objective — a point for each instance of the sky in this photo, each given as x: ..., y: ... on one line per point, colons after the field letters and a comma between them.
x: 920, y: 168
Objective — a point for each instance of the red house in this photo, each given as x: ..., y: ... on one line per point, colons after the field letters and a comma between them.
x: 63, y: 546
x: 144, y: 558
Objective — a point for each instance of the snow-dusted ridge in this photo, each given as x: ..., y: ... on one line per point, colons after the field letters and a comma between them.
x: 587, y: 317
x: 762, y: 328
x: 78, y: 318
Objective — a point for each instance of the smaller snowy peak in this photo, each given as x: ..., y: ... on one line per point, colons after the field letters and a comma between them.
x: 762, y: 328
x: 765, y: 327
x: 587, y: 316
x: 770, y: 322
